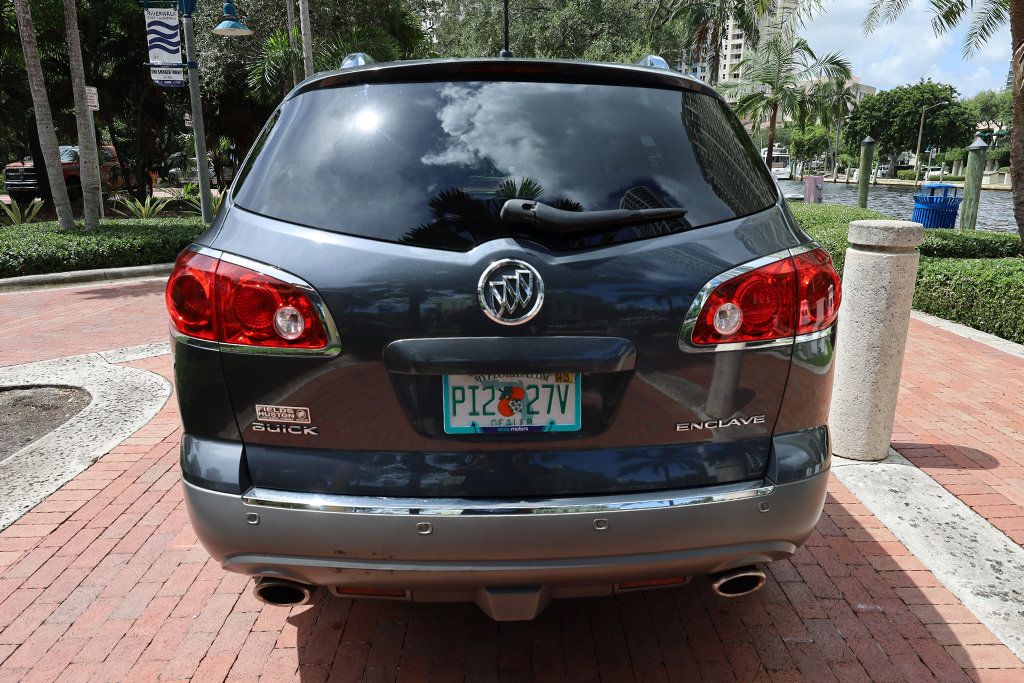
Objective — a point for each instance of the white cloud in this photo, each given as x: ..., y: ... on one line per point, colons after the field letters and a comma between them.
x: 907, y: 50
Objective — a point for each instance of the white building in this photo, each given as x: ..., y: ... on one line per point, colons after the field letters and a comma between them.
x: 736, y: 47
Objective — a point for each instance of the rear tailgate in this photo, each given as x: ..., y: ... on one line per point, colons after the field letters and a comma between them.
x: 385, y: 198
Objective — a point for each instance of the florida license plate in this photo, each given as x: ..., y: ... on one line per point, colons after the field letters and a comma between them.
x: 511, y: 404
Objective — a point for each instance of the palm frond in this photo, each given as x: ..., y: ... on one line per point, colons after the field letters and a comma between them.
x: 985, y: 23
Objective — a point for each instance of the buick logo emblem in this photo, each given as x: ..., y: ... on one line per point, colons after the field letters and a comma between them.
x: 510, y: 292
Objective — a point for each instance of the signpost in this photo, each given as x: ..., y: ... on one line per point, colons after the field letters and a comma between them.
x: 166, y: 69
x: 92, y: 98
x: 164, y: 41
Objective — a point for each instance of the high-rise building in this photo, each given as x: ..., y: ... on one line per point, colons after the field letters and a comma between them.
x: 736, y: 46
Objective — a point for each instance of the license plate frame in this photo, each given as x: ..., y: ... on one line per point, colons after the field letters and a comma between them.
x: 562, y: 389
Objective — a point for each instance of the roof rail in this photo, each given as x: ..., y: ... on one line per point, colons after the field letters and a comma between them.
x: 653, y: 60
x: 357, y: 59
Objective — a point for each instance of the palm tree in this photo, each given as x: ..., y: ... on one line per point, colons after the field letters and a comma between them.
x: 776, y: 78
x: 88, y: 159
x: 835, y: 99
x: 984, y: 18
x: 307, y: 39
x: 705, y: 23
x: 44, y: 119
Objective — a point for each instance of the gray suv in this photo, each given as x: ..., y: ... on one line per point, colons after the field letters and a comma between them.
x: 502, y: 330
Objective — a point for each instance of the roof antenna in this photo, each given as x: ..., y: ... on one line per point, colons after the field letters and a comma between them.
x: 506, y: 52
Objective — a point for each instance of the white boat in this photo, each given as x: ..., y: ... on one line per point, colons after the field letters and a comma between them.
x: 779, y: 165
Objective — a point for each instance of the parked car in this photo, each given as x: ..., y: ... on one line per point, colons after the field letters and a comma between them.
x: 20, y: 177
x: 439, y: 346
x: 179, y: 171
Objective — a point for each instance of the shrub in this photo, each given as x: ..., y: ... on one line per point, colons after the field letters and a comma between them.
x: 44, y: 248
x: 828, y: 224
x: 982, y: 293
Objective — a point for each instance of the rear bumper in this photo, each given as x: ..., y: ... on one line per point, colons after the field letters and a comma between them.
x: 450, y: 550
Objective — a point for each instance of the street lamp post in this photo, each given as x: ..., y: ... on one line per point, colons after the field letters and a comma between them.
x: 198, y: 127
x: 230, y: 26
x: 920, y: 134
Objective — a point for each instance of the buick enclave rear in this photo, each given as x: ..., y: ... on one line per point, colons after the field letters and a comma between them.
x: 502, y: 331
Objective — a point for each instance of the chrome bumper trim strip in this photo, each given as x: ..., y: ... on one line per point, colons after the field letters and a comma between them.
x: 446, y: 507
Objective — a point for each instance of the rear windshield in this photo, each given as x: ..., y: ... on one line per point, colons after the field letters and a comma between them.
x: 431, y: 164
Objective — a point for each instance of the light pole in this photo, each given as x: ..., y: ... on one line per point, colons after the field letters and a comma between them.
x: 920, y: 133
x: 230, y: 26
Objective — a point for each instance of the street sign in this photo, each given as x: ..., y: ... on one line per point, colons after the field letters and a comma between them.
x: 164, y: 41
x: 92, y: 98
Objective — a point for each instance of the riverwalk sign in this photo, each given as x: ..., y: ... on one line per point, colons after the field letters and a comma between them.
x: 164, y: 42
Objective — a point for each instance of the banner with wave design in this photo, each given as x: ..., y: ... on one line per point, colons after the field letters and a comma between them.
x: 164, y: 42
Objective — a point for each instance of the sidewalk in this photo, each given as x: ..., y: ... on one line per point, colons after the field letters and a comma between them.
x: 105, y: 580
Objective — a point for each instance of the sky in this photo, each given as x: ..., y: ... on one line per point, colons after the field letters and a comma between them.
x: 908, y: 50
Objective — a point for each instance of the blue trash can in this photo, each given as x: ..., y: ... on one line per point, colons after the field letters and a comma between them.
x: 934, y: 210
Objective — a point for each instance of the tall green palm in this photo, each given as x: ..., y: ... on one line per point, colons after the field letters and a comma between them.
x: 705, y: 22
x: 984, y: 18
x: 777, y: 76
x: 835, y: 100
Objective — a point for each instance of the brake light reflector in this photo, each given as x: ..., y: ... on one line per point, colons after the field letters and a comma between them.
x: 217, y: 300
x: 792, y: 296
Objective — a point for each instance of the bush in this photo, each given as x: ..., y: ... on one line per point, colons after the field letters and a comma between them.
x: 909, y: 175
x: 828, y: 224
x: 44, y: 248
x: 973, y: 278
x: 982, y: 293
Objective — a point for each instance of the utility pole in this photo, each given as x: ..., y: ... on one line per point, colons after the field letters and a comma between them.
x: 867, y: 153
x: 198, y: 128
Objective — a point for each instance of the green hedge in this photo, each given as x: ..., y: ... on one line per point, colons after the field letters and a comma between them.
x: 986, y: 294
x: 829, y: 223
x: 975, y: 278
x: 44, y: 248
x: 909, y: 175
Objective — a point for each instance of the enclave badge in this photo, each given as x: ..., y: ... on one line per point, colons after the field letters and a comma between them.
x: 510, y: 291
x: 719, y: 424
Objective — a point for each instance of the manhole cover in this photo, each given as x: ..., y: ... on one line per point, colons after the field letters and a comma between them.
x: 26, y: 414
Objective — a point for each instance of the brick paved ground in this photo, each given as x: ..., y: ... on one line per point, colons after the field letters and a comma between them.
x: 959, y: 419
x: 45, y: 324
x: 105, y: 581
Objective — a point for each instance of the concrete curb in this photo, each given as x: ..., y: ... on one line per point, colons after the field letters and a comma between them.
x: 14, y: 284
x: 124, y: 399
x: 979, y: 564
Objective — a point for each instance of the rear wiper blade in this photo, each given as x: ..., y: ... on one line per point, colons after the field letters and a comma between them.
x: 569, y: 222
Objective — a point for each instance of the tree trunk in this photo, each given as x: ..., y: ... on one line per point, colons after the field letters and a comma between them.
x: 715, y: 57
x: 770, y: 154
x: 307, y: 38
x: 1017, y: 133
x: 50, y: 152
x: 88, y: 156
x: 289, y: 6
x: 38, y: 162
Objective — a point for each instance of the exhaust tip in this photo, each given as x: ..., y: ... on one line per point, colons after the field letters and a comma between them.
x: 738, y: 582
x: 282, y: 592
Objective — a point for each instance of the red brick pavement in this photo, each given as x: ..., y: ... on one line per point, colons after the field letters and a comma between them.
x: 105, y: 581
x: 49, y: 323
x: 959, y: 419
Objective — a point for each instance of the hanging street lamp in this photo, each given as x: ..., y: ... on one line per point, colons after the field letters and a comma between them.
x: 230, y: 24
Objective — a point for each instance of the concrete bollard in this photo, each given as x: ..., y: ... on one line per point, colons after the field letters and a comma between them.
x: 867, y: 154
x: 878, y: 287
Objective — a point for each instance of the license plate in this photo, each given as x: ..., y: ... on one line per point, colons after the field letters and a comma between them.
x: 511, y: 404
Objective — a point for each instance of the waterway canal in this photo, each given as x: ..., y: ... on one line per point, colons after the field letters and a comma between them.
x: 995, y: 212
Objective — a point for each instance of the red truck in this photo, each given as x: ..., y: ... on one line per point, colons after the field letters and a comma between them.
x: 20, y: 177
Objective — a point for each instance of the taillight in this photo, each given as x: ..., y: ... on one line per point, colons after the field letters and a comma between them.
x: 213, y: 299
x: 791, y: 296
